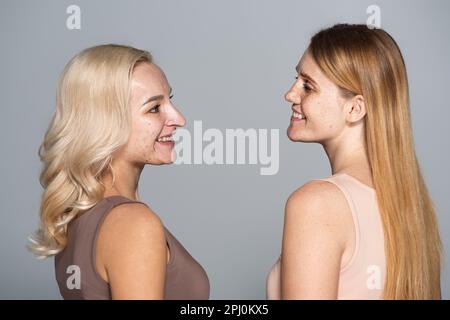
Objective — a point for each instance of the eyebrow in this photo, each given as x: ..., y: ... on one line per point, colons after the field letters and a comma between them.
x: 305, y: 75
x: 158, y: 97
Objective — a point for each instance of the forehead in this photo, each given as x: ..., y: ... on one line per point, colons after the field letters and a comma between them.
x: 148, y: 78
x: 310, y: 67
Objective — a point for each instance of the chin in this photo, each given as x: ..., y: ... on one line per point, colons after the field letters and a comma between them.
x: 162, y: 162
x: 297, y: 137
x: 293, y: 135
x: 168, y: 159
x: 168, y: 162
x: 162, y: 157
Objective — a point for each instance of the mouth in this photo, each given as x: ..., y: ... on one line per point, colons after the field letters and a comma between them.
x: 166, y: 139
x: 296, y: 116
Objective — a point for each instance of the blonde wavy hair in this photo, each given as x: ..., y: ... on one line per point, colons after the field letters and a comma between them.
x: 368, y: 62
x: 91, y: 121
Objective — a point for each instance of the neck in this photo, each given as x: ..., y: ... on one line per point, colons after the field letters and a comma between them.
x: 347, y: 155
x: 126, y: 180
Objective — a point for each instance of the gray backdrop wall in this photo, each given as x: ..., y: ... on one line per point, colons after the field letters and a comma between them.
x: 229, y: 63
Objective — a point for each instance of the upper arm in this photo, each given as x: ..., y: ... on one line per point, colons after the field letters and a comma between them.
x: 132, y: 248
x: 313, y: 242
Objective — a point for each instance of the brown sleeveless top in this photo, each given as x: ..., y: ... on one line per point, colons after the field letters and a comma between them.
x: 75, y: 266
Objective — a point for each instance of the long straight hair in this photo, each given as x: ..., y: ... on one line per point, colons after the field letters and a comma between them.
x: 92, y: 119
x: 368, y: 62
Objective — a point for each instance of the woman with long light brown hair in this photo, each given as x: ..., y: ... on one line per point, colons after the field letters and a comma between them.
x: 368, y: 231
x: 114, y: 115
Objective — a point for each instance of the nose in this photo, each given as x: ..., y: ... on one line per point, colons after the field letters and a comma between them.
x: 175, y: 118
x: 290, y: 96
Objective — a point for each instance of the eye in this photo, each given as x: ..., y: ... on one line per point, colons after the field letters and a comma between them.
x: 306, y: 87
x: 171, y: 96
x: 155, y: 109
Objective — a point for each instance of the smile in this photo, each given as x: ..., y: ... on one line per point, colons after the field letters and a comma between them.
x: 297, y: 116
x: 167, y: 139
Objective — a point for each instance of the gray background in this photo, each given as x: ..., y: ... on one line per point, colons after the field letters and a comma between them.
x: 229, y: 63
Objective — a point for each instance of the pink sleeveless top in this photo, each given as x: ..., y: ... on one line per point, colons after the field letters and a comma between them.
x: 363, y: 277
x: 185, y: 277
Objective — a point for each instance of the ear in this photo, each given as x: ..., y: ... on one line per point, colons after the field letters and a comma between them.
x: 356, y: 109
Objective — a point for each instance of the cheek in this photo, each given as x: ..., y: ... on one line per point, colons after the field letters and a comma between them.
x: 327, y: 118
x: 144, y: 137
x: 148, y: 135
x: 324, y: 115
x: 150, y: 131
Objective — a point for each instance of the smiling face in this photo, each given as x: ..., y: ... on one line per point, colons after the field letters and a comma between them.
x: 318, y: 108
x: 154, y: 117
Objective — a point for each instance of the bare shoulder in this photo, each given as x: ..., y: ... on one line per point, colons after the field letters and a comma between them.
x: 316, y: 229
x: 317, y: 194
x: 318, y: 204
x: 132, y: 217
x: 130, y: 233
x: 131, y: 252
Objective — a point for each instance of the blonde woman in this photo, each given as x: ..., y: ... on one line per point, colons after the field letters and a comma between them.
x: 369, y: 230
x: 114, y: 115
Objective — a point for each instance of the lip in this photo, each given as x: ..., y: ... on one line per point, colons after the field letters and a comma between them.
x: 293, y: 119
x: 296, y: 109
x: 166, y: 143
x: 167, y: 135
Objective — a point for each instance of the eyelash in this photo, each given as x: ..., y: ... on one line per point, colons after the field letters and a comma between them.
x: 156, y: 108
x: 305, y: 86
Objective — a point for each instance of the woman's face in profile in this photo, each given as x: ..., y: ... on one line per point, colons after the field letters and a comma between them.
x: 154, y: 117
x: 317, y: 104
